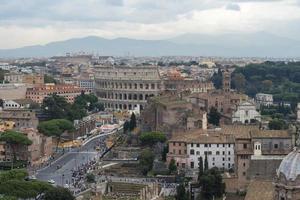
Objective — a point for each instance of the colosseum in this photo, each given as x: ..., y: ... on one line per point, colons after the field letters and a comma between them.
x: 123, y: 87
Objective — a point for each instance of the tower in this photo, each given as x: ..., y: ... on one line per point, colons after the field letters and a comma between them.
x: 226, y: 80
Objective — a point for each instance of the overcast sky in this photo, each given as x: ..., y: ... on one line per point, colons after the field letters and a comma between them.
x: 30, y: 22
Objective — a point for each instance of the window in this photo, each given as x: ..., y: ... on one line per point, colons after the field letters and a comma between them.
x: 198, y: 145
x: 275, y: 146
x: 179, y: 152
x: 223, y: 152
x: 192, y: 152
x: 192, y: 165
x: 192, y: 145
x: 174, y: 144
x: 245, y: 146
x: 223, y: 158
x: 179, y: 144
x: 228, y: 152
x: 228, y: 145
x: 244, y: 164
x: 218, y: 153
x: 217, y: 145
x: 205, y: 145
x: 244, y: 173
x: 229, y: 165
x: 223, y: 145
x: 197, y: 153
x: 213, y: 158
x: 229, y: 159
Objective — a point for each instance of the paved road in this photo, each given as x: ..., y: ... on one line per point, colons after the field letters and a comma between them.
x: 60, y: 170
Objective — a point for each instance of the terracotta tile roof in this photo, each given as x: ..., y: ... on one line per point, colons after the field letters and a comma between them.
x: 203, y: 137
x: 260, y: 190
x: 271, y: 134
x: 228, y: 132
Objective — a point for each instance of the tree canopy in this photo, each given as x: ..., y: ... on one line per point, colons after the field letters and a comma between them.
x: 13, y: 139
x: 55, y: 127
x: 172, y: 166
x: 214, y: 116
x: 212, y: 185
x: 146, y: 159
x: 282, y: 79
x: 56, y: 107
x: 49, y: 79
x: 13, y: 186
x: 151, y: 138
x: 132, y: 122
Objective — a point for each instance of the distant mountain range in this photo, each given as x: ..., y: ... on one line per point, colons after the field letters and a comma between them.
x: 259, y: 44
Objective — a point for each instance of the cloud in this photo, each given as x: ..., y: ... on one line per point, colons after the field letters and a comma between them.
x: 232, y: 6
x: 115, y: 2
x: 42, y: 21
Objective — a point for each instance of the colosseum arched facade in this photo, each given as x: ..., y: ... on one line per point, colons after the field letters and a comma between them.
x: 126, y: 87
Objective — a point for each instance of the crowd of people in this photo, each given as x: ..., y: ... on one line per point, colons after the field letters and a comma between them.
x: 78, y: 183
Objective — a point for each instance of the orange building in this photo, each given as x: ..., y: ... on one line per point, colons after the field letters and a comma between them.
x: 38, y: 93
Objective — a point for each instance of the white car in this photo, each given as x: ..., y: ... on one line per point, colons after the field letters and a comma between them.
x: 51, y: 181
x: 66, y: 186
x: 33, y: 177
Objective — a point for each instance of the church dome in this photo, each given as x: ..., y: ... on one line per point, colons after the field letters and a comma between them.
x: 290, y: 165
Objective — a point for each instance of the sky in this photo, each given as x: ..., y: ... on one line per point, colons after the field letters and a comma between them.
x: 31, y: 22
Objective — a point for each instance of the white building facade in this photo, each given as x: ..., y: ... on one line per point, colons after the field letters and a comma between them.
x: 246, y: 113
x: 219, y: 151
x: 264, y: 99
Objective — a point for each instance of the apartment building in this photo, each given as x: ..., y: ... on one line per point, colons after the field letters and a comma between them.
x: 38, y: 93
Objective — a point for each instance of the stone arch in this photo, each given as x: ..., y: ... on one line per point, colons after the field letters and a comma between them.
x: 141, y: 97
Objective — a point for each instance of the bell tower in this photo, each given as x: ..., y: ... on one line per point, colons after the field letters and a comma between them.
x: 226, y: 80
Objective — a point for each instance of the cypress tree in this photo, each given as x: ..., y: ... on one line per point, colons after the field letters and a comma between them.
x: 205, y: 163
x: 200, y: 167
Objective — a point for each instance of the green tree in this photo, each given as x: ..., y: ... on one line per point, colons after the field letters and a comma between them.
x: 24, y: 189
x: 132, y: 123
x: 126, y: 126
x: 151, y: 138
x: 88, y: 102
x: 205, y: 163
x: 14, y: 139
x: 49, y: 79
x: 267, y: 84
x: 217, y: 79
x: 239, y: 81
x: 58, y: 193
x: 200, y: 168
x: 1, y: 103
x: 172, y: 166
x: 181, y: 193
x: 55, y: 127
x: 2, y: 73
x: 14, y: 174
x: 277, y: 124
x: 212, y: 185
x: 146, y: 159
x: 55, y: 107
x: 214, y: 116
x: 164, y: 153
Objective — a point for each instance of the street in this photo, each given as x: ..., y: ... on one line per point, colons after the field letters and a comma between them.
x: 61, y: 170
